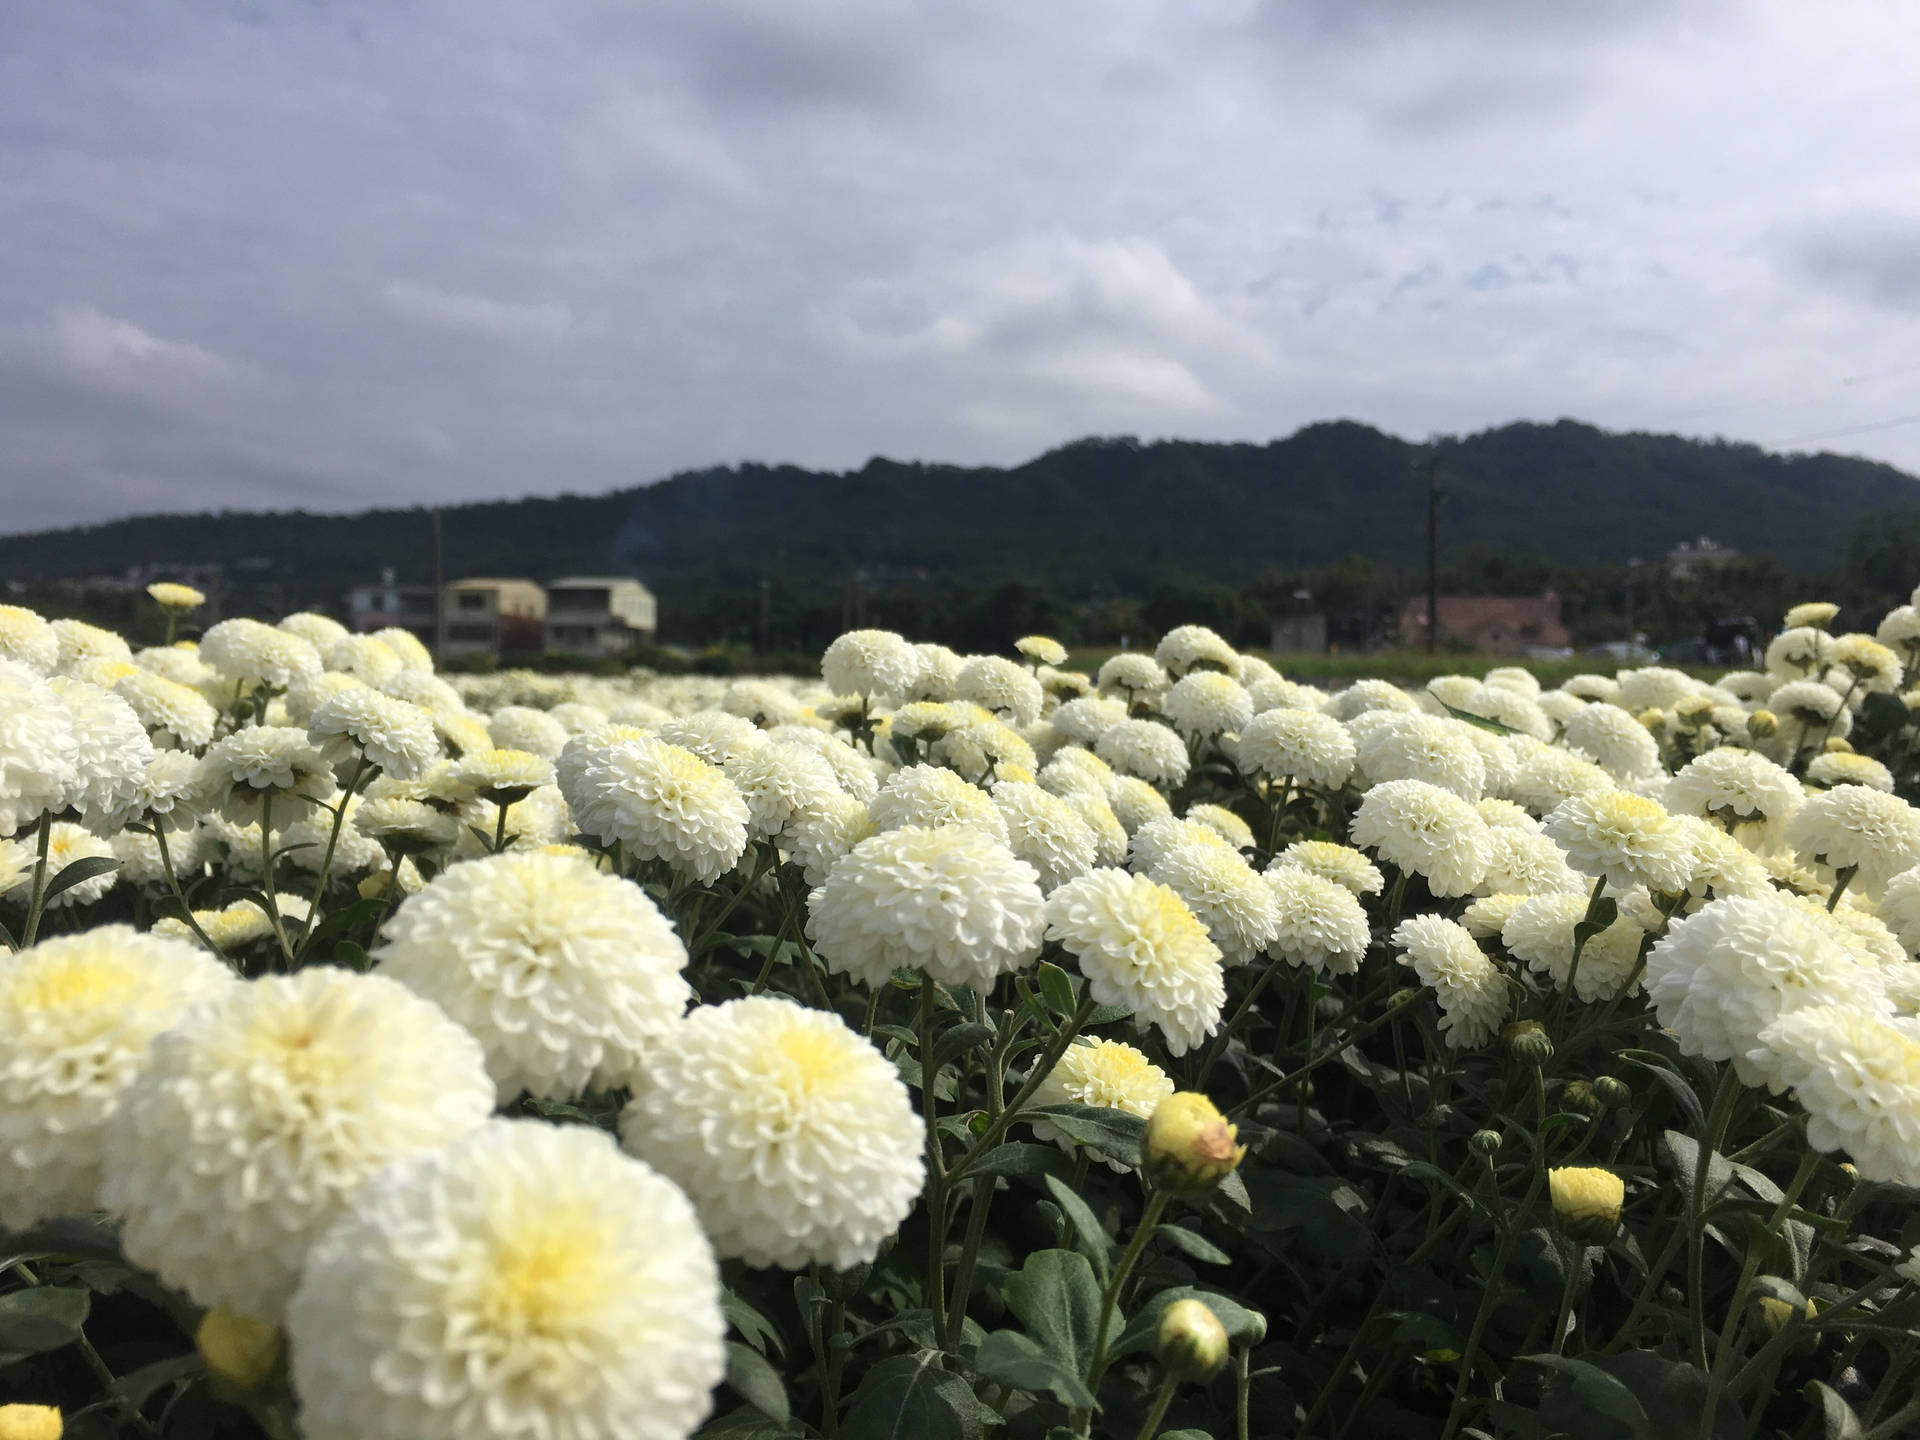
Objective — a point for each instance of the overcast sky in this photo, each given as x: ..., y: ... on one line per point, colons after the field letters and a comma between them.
x: 261, y: 253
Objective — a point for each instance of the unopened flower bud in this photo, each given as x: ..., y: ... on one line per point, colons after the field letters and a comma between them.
x: 1774, y: 1315
x: 1578, y: 1097
x: 1653, y: 717
x: 1191, y: 1341
x: 1527, y: 1041
x: 1762, y: 724
x: 1611, y: 1090
x: 1838, y: 746
x: 1485, y: 1142
x: 1190, y: 1145
x: 30, y: 1422
x: 240, y: 1351
x: 1587, y: 1201
x: 1694, y: 711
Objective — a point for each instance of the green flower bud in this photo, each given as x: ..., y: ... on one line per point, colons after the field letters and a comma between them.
x: 1485, y: 1142
x: 1762, y: 724
x: 1527, y: 1041
x: 240, y: 1351
x: 1190, y: 1146
x: 1191, y: 1341
x: 1610, y: 1090
x: 1578, y: 1097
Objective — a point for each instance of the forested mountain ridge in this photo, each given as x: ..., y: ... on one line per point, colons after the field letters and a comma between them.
x: 1099, y: 514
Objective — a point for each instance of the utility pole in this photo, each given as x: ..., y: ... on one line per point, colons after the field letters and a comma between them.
x: 1633, y: 640
x: 439, y: 594
x: 1432, y: 468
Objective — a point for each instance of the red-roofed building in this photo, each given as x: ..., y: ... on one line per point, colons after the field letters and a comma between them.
x: 1503, y: 624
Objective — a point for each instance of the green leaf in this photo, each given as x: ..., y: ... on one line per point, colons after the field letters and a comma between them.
x: 1114, y: 1134
x: 1007, y: 1357
x: 348, y: 917
x: 959, y: 1040
x: 1086, y: 1225
x: 1234, y: 1188
x: 1877, y: 716
x: 908, y: 1397
x: 1056, y: 988
x: 1480, y: 720
x: 1600, y: 914
x: 79, y: 872
x: 1194, y: 1247
x: 1672, y: 1081
x: 350, y: 955
x: 1019, y: 1158
x: 754, y: 1328
x: 1840, y: 1421
x: 1684, y: 1152
x: 1058, y: 1300
x: 756, y: 1382
x: 1597, y: 1390
x: 40, y: 1319
x: 143, y: 1384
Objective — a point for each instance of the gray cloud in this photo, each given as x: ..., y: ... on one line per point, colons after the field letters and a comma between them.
x: 337, y: 254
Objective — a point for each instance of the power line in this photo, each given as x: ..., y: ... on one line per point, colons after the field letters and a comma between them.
x: 1849, y: 430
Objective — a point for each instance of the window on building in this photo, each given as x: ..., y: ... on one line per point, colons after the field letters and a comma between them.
x: 473, y: 600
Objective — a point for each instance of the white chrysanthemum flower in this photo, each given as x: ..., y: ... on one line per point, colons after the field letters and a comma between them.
x: 111, y: 753
x: 1854, y: 828
x: 580, y: 757
x: 981, y: 744
x: 79, y: 1012
x: 28, y: 640
x: 1071, y: 768
x: 176, y: 597
x: 1857, y: 1076
x: 240, y: 770
x: 1721, y: 864
x: 537, y: 820
x: 1900, y: 628
x: 662, y: 802
x: 139, y: 856
x: 1524, y: 862
x: 1389, y: 745
x: 80, y: 641
x: 366, y: 657
x: 1342, y: 864
x: 1505, y: 815
x: 1238, y: 908
x: 411, y: 649
x: 408, y: 826
x: 819, y: 835
x: 1720, y: 977
x: 1811, y: 614
x: 1654, y: 687
x: 929, y: 797
x: 1809, y: 712
x: 318, y: 631
x: 1734, y: 787
x: 1560, y: 707
x: 520, y: 727
x: 1085, y: 720
x: 1900, y: 908
x: 1540, y: 932
x: 306, y: 839
x: 245, y: 654
x: 1618, y: 743
x: 1486, y: 917
x: 1509, y: 707
x: 1866, y: 935
x: 1426, y: 830
x: 715, y: 736
x: 176, y: 714
x: 1146, y: 751
x: 1624, y: 838
x: 528, y: 1281
x: 1470, y: 988
x: 1321, y: 923
x: 759, y: 701
x: 1364, y: 695
x: 418, y: 685
x: 1841, y: 767
x: 460, y: 732
x: 262, y: 1113
x: 1302, y: 745
x: 567, y: 977
x: 500, y: 776
x: 303, y: 697
x: 1140, y: 946
x: 953, y: 903
x: 1132, y: 677
x: 792, y: 1135
x: 877, y: 664
x: 1045, y: 832
x: 1107, y: 1074
x: 65, y: 845
x: 1449, y: 692
x: 1279, y: 694
x: 852, y: 771
x: 1517, y: 678
x: 1207, y: 703
x: 396, y: 736
x: 1042, y: 649
x: 1109, y: 835
x: 1158, y: 836
x: 1224, y: 823
x: 779, y: 780
x: 938, y: 676
x: 998, y: 685
x: 1547, y: 778
x: 1135, y: 802
x: 1861, y: 664
x: 1193, y: 647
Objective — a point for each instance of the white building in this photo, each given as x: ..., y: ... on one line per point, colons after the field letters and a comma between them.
x: 597, y: 615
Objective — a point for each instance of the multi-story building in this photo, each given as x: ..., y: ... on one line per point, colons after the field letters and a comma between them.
x: 389, y: 604
x: 485, y: 615
x: 599, y: 615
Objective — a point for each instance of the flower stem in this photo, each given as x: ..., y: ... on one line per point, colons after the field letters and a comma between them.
x: 936, y: 1166
x: 1110, y: 1293
x: 36, y: 903
x: 326, y: 860
x: 1162, y: 1398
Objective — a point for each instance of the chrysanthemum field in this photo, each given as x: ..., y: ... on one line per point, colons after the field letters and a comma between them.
x: 954, y: 1046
